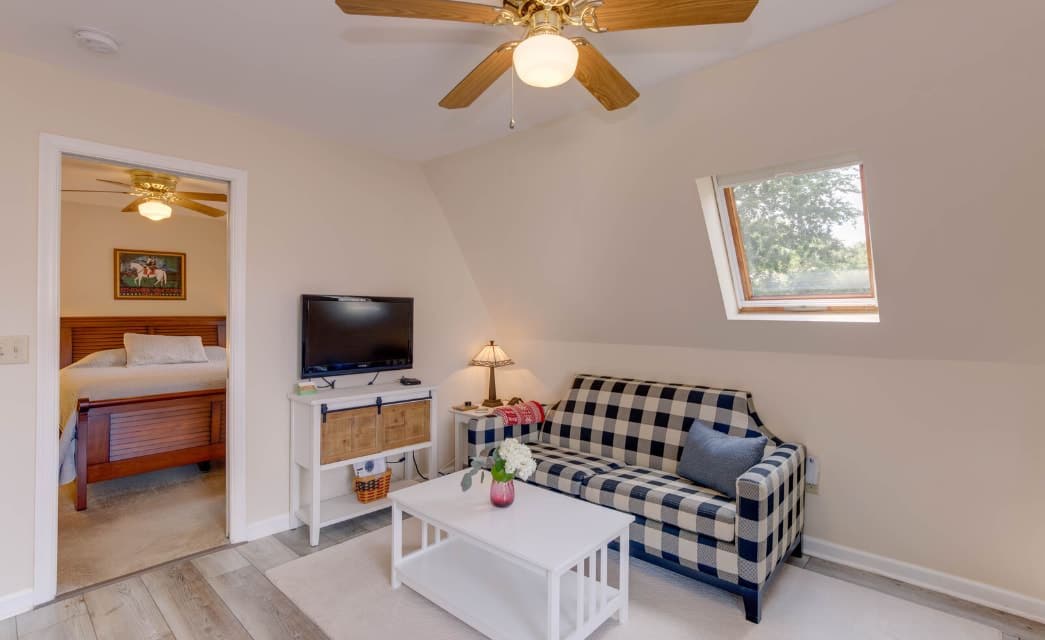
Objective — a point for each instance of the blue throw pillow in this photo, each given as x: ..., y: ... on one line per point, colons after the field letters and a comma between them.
x: 715, y: 460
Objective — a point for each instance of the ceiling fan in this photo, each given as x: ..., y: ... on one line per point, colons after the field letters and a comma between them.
x: 546, y: 58
x: 154, y: 193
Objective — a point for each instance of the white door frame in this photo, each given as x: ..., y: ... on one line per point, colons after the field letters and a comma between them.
x: 52, y: 148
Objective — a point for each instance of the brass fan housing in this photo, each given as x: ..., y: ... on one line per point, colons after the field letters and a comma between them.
x: 547, y: 20
x: 538, y: 15
x: 157, y: 186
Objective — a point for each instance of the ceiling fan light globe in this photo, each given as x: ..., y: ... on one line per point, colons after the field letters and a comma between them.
x: 545, y: 60
x: 155, y: 210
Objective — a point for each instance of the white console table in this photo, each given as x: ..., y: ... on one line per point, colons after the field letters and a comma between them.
x: 308, y: 415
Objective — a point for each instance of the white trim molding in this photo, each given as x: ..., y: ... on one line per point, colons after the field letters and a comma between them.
x: 963, y: 588
x: 270, y: 526
x: 52, y: 148
x: 15, y: 603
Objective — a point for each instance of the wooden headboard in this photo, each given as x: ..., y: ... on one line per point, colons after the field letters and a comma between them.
x: 84, y: 336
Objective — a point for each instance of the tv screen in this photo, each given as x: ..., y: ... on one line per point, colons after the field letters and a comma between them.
x: 355, y: 334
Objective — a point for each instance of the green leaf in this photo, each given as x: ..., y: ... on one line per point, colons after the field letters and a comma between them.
x: 499, y: 474
x: 466, y: 479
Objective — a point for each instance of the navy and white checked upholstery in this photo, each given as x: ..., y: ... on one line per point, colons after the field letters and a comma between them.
x: 695, y: 551
x: 771, y: 508
x: 566, y: 471
x: 484, y: 433
x: 617, y: 442
x: 665, y: 498
x: 770, y: 517
x: 645, y: 423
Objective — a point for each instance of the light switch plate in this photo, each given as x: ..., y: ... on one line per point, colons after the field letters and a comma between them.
x: 14, y: 349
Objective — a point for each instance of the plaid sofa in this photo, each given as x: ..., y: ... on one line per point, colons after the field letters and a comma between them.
x: 617, y: 442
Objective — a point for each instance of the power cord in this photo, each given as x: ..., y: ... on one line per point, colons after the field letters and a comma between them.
x: 329, y: 383
x: 414, y: 458
x: 372, y: 380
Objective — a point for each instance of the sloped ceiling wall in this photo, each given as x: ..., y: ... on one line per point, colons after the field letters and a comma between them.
x: 590, y: 229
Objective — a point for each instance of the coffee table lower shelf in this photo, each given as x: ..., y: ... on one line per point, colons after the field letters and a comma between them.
x: 495, y: 596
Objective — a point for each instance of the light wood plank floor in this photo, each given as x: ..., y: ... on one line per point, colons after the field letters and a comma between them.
x: 224, y: 594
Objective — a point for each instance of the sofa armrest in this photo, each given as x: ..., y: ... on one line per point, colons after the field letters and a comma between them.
x: 770, y: 511
x: 486, y: 433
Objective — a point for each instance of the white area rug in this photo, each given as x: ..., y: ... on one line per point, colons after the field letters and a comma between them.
x: 345, y: 590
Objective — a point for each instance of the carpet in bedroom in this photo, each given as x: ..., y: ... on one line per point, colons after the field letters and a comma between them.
x: 345, y: 590
x: 138, y: 522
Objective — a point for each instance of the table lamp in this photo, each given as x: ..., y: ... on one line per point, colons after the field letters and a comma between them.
x: 492, y: 356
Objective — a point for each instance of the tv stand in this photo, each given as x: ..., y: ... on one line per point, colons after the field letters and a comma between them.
x: 336, y: 428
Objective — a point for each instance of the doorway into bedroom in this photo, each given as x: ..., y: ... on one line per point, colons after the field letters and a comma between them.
x: 144, y: 296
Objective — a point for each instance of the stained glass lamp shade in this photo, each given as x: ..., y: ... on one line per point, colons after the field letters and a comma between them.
x: 492, y: 356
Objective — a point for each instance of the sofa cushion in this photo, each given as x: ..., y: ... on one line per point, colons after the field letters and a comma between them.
x: 644, y: 423
x: 715, y: 460
x: 666, y: 498
x: 565, y: 470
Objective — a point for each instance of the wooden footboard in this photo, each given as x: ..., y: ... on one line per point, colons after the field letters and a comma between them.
x: 127, y: 436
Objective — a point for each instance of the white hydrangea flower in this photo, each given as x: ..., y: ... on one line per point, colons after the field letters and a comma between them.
x: 518, y: 460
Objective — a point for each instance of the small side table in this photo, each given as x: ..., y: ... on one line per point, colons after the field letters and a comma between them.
x: 460, y: 433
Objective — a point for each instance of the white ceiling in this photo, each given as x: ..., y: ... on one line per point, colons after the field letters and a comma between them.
x: 373, y: 82
x: 81, y: 173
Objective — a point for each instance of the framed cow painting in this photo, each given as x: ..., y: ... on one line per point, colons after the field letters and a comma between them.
x: 149, y: 275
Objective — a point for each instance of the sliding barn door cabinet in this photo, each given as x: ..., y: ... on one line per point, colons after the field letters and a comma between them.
x: 337, y: 428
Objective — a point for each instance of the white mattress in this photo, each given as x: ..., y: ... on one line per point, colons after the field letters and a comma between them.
x: 106, y: 383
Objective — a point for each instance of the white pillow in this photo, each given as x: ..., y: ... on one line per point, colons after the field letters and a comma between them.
x: 105, y: 358
x: 216, y: 354
x: 146, y: 349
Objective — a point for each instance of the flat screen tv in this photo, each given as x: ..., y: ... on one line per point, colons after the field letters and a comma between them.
x: 341, y: 335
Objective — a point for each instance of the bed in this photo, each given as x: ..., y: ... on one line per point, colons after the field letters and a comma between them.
x: 119, y: 421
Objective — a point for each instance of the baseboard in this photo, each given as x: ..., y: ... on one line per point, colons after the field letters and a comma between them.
x: 963, y: 588
x: 273, y: 525
x: 14, y: 603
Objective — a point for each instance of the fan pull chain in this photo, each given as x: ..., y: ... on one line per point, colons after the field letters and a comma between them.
x: 511, y: 122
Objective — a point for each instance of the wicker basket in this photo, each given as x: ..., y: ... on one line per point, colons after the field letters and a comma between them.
x: 372, y: 487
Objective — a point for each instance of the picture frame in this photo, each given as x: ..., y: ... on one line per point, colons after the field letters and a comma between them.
x: 140, y: 274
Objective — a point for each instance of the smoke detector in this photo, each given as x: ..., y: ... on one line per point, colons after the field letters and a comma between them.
x: 96, y: 41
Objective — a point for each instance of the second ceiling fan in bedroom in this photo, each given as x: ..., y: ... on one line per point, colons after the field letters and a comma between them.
x: 546, y: 58
x: 155, y: 194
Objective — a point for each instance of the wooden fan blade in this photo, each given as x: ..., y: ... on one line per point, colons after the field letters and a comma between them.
x: 620, y: 15
x: 133, y: 206
x: 427, y: 9
x: 126, y: 193
x: 601, y: 78
x: 203, y: 195
x: 480, y: 78
x: 122, y: 184
x: 195, y: 206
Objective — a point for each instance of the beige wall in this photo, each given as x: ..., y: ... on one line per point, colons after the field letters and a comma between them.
x: 324, y: 217
x: 929, y: 424
x: 91, y: 232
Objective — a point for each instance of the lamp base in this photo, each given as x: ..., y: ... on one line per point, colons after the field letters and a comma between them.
x: 493, y: 403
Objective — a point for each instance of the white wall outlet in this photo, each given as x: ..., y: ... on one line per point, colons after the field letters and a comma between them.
x: 14, y: 349
x: 812, y: 471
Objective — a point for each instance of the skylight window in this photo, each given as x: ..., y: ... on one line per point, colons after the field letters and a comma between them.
x: 795, y: 242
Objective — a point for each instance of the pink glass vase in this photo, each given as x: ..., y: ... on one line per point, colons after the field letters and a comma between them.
x: 502, y: 494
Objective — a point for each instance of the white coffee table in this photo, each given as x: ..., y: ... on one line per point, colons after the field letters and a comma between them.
x: 538, y: 569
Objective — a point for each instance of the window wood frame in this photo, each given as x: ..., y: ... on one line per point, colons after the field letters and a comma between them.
x: 845, y: 303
